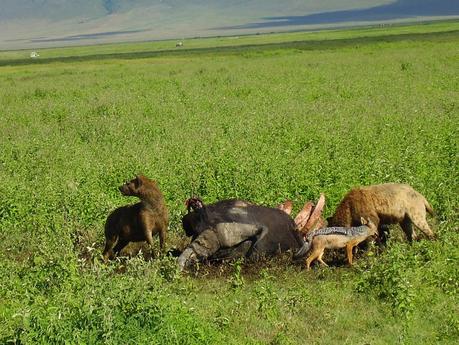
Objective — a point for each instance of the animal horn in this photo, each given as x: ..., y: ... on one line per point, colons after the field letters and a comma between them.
x: 302, y: 251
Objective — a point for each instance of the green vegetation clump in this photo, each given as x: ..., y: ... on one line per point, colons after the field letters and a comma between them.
x: 261, y: 123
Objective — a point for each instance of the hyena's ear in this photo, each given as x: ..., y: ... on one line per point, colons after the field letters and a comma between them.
x: 363, y: 221
x: 138, y: 181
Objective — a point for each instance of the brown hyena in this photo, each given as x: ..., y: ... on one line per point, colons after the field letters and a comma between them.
x: 138, y: 222
x: 384, y: 204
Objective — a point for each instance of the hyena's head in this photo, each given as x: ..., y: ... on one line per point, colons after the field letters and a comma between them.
x: 135, y: 186
x: 373, y: 229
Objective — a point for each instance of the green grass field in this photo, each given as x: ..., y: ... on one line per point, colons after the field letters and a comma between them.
x: 269, y: 118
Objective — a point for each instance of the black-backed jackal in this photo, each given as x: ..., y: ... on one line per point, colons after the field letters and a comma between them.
x: 333, y: 238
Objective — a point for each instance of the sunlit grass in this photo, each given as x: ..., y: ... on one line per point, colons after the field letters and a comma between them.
x: 258, y: 124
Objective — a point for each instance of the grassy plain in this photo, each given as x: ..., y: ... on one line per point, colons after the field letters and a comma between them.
x: 262, y: 123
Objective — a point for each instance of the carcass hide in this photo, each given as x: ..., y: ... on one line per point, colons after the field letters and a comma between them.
x: 237, y: 228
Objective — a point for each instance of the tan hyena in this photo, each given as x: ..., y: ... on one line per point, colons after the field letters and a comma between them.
x: 384, y: 204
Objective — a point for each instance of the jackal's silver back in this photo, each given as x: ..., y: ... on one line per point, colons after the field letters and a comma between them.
x: 362, y: 230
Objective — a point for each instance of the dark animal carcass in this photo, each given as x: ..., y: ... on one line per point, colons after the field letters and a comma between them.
x: 236, y: 228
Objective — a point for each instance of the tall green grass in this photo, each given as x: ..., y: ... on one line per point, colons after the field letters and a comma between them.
x: 259, y: 124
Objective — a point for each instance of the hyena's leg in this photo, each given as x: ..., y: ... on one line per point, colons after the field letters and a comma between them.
x: 421, y: 223
x: 162, y: 238
x: 120, y: 245
x: 383, y: 234
x: 109, y: 245
x: 149, y: 237
x: 407, y: 227
x: 147, y: 228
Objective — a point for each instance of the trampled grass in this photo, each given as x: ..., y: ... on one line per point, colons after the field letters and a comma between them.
x: 262, y: 124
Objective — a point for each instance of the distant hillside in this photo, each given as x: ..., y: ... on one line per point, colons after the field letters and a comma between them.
x: 41, y: 23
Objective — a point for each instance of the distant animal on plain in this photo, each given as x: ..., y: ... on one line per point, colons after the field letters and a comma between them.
x: 333, y: 238
x: 179, y: 44
x: 138, y: 222
x: 384, y: 204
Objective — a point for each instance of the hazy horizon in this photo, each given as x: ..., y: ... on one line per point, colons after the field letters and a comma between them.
x: 49, y: 23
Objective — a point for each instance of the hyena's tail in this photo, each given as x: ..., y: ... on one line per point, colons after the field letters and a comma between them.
x: 428, y: 207
x: 302, y: 251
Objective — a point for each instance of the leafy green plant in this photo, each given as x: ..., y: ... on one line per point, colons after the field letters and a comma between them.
x: 389, y: 279
x: 237, y: 280
x: 266, y: 295
x: 168, y: 268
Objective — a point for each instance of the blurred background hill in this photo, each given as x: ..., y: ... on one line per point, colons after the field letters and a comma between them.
x: 47, y: 23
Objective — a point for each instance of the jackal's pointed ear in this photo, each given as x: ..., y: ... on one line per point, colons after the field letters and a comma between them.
x: 363, y: 221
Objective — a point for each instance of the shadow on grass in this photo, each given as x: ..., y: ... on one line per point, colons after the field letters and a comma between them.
x: 238, y: 49
x: 395, y: 10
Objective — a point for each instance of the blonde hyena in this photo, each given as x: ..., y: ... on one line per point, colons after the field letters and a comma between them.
x: 384, y: 204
